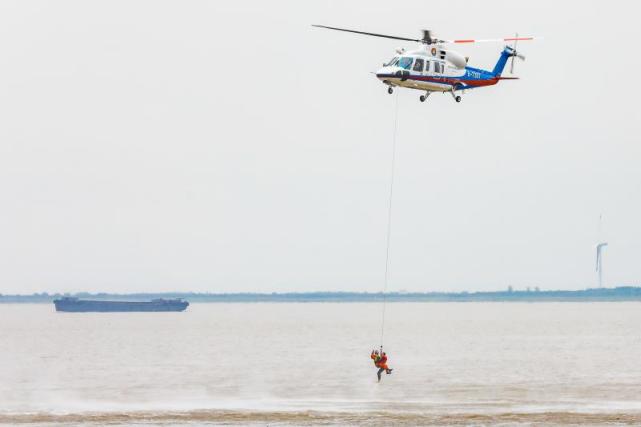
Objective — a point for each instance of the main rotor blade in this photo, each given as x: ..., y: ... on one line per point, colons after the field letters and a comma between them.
x: 369, y: 34
x: 507, y: 39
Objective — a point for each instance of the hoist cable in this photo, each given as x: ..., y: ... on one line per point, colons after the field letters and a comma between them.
x: 389, y: 220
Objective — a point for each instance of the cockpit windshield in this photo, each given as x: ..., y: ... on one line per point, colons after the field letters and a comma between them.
x: 392, y: 62
x: 405, y: 62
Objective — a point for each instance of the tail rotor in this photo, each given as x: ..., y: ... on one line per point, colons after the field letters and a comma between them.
x: 515, y: 54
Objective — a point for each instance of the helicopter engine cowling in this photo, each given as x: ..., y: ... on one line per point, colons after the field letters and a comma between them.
x: 454, y: 58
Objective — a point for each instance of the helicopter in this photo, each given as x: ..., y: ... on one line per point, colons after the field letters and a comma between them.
x: 432, y: 68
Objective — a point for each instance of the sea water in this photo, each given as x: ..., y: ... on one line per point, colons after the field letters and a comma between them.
x: 308, y: 363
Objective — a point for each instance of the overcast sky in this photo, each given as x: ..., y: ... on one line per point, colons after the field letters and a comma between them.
x: 228, y: 146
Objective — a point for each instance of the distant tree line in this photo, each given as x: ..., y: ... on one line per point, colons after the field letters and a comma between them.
x: 622, y: 293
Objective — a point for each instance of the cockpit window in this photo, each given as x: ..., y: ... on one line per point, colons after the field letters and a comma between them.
x: 418, y: 65
x: 405, y: 62
x: 393, y: 62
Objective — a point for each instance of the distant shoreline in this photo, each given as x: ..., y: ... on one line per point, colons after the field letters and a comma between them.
x: 623, y: 293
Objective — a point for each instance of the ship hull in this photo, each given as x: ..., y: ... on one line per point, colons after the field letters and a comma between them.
x: 86, y: 306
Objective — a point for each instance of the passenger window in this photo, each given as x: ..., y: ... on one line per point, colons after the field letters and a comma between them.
x: 418, y: 65
x: 427, y: 66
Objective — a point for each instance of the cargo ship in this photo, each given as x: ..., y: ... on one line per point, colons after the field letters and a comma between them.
x: 73, y: 304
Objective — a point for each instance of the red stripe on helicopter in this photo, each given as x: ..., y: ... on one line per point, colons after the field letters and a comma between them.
x: 474, y: 83
x: 454, y: 82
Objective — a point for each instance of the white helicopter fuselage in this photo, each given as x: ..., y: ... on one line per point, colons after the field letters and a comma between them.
x: 421, y: 70
x: 439, y: 70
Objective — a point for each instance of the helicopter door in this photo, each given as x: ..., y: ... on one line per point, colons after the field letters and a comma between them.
x: 438, y: 70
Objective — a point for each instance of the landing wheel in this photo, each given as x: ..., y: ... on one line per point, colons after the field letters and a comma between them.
x: 390, y: 90
x: 458, y: 99
x: 422, y: 98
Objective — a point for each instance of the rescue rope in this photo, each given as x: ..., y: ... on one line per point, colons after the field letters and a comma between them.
x: 389, y: 219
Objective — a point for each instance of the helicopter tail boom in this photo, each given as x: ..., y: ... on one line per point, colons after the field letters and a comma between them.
x: 507, y: 53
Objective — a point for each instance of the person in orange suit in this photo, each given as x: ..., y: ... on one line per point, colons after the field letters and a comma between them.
x: 380, y: 361
x: 376, y: 357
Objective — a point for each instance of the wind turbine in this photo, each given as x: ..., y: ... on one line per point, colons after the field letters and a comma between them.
x: 599, y: 261
x: 599, y: 255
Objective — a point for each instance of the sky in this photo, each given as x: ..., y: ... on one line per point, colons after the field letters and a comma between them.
x: 230, y: 147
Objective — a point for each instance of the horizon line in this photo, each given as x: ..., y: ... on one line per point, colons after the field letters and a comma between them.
x: 352, y: 292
